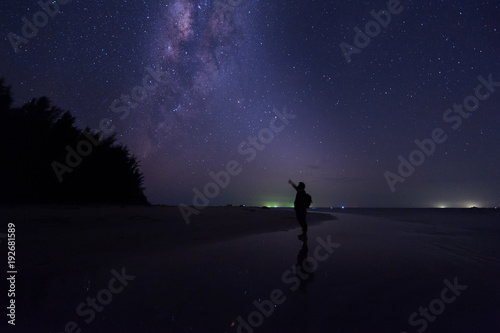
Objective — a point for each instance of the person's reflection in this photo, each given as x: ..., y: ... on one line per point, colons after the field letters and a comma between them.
x: 304, y: 269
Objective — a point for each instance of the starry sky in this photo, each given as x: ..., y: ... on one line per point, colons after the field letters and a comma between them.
x: 192, y: 86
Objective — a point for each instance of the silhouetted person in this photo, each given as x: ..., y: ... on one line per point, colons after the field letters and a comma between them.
x: 301, y: 203
x: 303, y: 268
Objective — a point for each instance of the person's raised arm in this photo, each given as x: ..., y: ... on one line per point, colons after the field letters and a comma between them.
x: 291, y: 183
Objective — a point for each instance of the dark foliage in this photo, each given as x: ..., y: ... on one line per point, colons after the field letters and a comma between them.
x: 35, y: 135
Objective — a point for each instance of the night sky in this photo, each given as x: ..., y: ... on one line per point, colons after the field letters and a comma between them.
x: 224, y: 73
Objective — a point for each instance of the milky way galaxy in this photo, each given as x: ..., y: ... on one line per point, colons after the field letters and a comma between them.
x: 197, y: 46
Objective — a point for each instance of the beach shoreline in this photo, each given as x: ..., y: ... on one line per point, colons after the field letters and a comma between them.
x: 204, y: 276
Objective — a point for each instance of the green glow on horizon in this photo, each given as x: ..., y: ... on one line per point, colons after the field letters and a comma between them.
x: 275, y: 204
x: 441, y: 205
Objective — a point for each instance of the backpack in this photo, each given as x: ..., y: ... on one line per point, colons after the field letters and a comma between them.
x: 307, y: 200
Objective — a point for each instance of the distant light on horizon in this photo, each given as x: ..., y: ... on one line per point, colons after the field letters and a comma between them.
x: 461, y: 204
x: 470, y: 204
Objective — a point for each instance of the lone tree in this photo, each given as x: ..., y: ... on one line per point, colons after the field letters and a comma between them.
x: 36, y: 134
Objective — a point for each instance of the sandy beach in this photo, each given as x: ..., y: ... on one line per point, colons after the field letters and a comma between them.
x: 242, y: 269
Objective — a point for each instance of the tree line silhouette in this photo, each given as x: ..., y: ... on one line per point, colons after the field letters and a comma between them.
x: 35, y: 135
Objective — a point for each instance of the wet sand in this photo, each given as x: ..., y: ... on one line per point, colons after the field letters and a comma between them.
x: 368, y: 271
